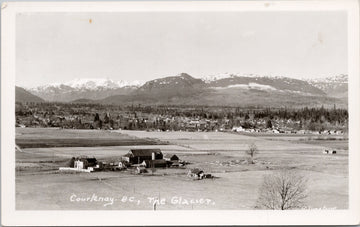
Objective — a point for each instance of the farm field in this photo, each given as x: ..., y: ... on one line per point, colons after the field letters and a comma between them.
x: 56, y: 137
x: 40, y: 186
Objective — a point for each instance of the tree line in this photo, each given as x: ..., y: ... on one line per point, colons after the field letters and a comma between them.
x: 309, y: 118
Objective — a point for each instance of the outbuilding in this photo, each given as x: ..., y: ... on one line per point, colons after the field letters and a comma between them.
x: 171, y: 157
x: 196, y: 173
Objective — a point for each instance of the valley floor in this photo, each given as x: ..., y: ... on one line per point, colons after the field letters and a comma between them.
x: 40, y: 186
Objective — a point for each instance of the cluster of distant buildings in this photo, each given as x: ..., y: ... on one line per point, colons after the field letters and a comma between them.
x: 140, y: 159
x: 286, y: 131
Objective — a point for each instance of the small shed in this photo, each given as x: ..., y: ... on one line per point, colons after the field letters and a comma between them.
x: 171, y: 157
x: 196, y: 173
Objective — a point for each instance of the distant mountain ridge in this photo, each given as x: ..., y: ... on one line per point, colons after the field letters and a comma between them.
x: 230, y: 90
x: 183, y: 89
x: 91, y: 84
x: 84, y: 89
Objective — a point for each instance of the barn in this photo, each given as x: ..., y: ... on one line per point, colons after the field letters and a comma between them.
x: 137, y: 156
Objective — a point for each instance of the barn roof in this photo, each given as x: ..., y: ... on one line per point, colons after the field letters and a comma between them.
x: 144, y: 152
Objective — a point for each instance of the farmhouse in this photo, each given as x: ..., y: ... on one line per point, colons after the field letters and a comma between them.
x: 137, y: 156
x: 83, y: 162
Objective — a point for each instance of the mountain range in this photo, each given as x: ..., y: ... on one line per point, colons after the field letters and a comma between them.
x: 94, y: 89
x: 219, y: 90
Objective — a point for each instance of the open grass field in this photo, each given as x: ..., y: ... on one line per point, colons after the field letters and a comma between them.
x: 40, y: 186
x: 56, y: 137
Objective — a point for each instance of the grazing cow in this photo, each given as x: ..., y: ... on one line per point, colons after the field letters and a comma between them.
x: 334, y: 152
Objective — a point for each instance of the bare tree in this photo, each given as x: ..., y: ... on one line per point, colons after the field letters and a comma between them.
x: 252, y: 150
x: 283, y: 191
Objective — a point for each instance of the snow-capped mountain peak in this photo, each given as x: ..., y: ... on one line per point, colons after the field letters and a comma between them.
x: 102, y: 83
x: 90, y: 84
x: 84, y: 88
x: 342, y: 78
x: 226, y: 75
x: 333, y: 85
x: 211, y: 78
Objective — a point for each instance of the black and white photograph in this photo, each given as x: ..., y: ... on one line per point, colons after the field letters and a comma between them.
x: 190, y: 107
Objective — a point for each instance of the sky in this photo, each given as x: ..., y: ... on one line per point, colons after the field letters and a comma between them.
x: 59, y: 47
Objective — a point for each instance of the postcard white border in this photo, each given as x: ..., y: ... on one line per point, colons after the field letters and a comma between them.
x: 10, y: 216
